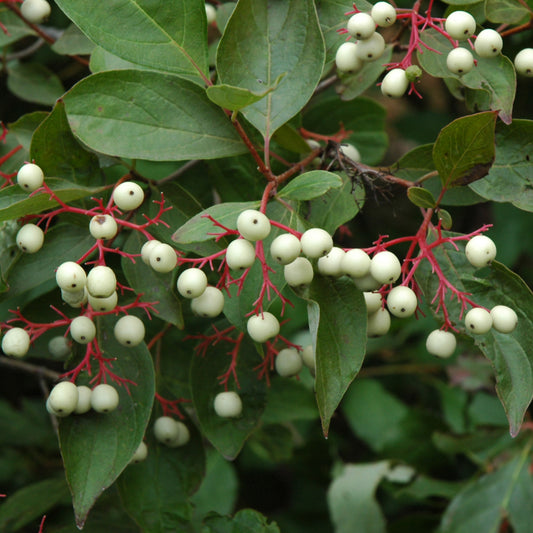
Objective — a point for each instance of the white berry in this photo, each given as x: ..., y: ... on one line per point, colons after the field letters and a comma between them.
x: 346, y: 58
x: 104, y: 398
x: 350, y: 151
x: 147, y: 249
x: 504, y: 319
x: 402, y: 301
x: 356, y: 263
x: 103, y: 227
x: 371, y: 49
x: 384, y: 14
x: 331, y: 264
x: 163, y: 258
x: 84, y: 400
x: 367, y: 283
x: 71, y: 277
x: 299, y: 273
x: 373, y: 301
x: 82, y: 329
x: 30, y: 177
x: 16, y: 342
x: 460, y: 61
x: 209, y: 304
x: 480, y: 251
x: 182, y: 437
x: 240, y: 254
x: 170, y: 432
x: 129, y: 330
x: 75, y: 298
x: 395, y: 83
x: 309, y: 358
x: 253, y: 225
x: 523, y: 62
x: 141, y: 453
x: 35, y: 11
x: 59, y: 346
x: 228, y: 404
x: 101, y: 281
x: 460, y: 25
x: 192, y: 282
x: 288, y: 362
x: 30, y: 238
x: 210, y: 13
x: 316, y: 242
x: 361, y: 26
x: 478, y: 321
x: 128, y: 196
x: 378, y: 323
x: 385, y: 267
x: 441, y: 343
x: 488, y: 43
x: 103, y: 304
x: 63, y: 398
x: 262, y: 327
x: 285, y: 248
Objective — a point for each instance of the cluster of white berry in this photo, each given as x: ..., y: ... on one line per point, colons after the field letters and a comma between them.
x: 66, y: 398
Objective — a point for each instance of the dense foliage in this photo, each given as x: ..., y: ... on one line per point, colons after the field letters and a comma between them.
x: 264, y: 266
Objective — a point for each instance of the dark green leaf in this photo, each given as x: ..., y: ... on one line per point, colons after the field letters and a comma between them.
x: 34, y: 83
x: 464, y: 150
x: 245, y: 521
x: 171, y: 37
x: 263, y: 41
x: 130, y: 105
x: 507, y: 11
x: 421, y: 197
x: 310, y: 185
x: 445, y: 218
x: 24, y: 128
x: 97, y: 447
x: 337, y: 322
x: 424, y: 487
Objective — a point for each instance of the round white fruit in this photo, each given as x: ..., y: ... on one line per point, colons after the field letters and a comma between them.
x: 253, y: 225
x: 209, y: 304
x: 101, y: 281
x: 192, y: 282
x: 103, y: 227
x: 480, y: 251
x: 460, y: 25
x: 371, y: 49
x: 240, y: 254
x: 104, y: 398
x: 373, y: 301
x: 346, y: 58
x: 460, y: 61
x: 128, y: 196
x: 262, y: 327
x: 30, y: 177
x: 523, y: 62
x: 367, y: 283
x: 384, y: 14
x: 385, y: 267
x: 59, y: 346
x: 309, y: 357
x: 395, y: 83
x: 82, y: 329
x: 35, y: 11
x: 166, y: 430
x: 141, y: 453
x: 331, y: 264
x: 402, y: 301
x: 350, y: 151
x: 299, y: 273
x: 16, y: 342
x: 129, y: 330
x: 147, y: 249
x: 288, y: 362
x: 84, y: 400
x: 228, y: 404
x: 378, y: 323
x: 478, y: 321
x: 488, y: 43
x: 285, y: 248
x: 63, y: 398
x: 441, y: 343
x: 71, y: 277
x: 75, y: 298
x: 504, y: 319
x: 103, y: 304
x: 163, y: 258
x: 316, y: 242
x: 356, y: 263
x: 210, y: 13
x: 361, y: 26
x: 30, y: 238
x: 182, y: 437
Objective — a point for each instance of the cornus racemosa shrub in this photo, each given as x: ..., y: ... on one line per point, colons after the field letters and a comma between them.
x: 213, y: 243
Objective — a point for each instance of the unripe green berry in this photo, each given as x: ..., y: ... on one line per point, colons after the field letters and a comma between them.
x: 82, y: 329
x: 30, y: 177
x: 209, y: 304
x: 103, y: 227
x: 16, y: 342
x: 30, y: 238
x: 253, y: 225
x: 192, y: 282
x: 129, y: 330
x: 228, y: 404
x: 262, y: 327
x: 104, y: 398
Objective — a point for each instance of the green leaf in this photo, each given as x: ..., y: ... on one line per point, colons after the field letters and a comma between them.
x: 507, y: 11
x: 464, y: 150
x: 351, y: 498
x: 31, y: 502
x: 129, y: 105
x: 102, y: 60
x: 73, y: 41
x: 510, y: 178
x: 96, y: 447
x: 421, y: 197
x: 155, y: 492
x: 34, y: 83
x: 445, y: 218
x: 15, y: 203
x: 337, y: 322
x: 24, y: 128
x: 245, y: 521
x: 484, y: 503
x: 288, y: 137
x: 310, y: 185
x: 227, y: 435
x: 424, y: 487
x: 59, y: 154
x: 16, y: 28
x: 170, y: 36
x: 154, y: 286
x: 263, y: 41
x: 235, y: 98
